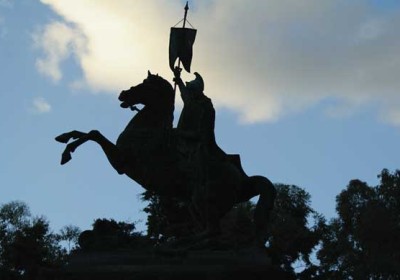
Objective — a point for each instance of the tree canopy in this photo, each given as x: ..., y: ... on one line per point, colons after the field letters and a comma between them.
x: 296, y: 228
x: 363, y: 242
x: 26, y: 243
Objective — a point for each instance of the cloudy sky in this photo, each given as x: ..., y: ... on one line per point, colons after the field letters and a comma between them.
x: 305, y: 90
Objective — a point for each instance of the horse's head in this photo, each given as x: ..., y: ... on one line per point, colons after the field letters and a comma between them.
x: 153, y: 91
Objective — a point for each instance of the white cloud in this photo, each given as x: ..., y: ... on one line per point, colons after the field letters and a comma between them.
x: 58, y: 40
x: 262, y: 59
x: 40, y: 105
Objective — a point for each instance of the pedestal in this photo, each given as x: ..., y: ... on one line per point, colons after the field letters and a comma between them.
x: 174, y: 265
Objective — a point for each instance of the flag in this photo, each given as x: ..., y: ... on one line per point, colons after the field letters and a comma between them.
x: 181, y: 46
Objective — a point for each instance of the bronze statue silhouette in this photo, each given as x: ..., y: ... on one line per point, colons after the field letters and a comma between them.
x: 183, y: 162
x: 197, y: 119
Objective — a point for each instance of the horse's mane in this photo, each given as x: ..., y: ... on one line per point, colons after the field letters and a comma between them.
x: 163, y: 99
x: 160, y: 82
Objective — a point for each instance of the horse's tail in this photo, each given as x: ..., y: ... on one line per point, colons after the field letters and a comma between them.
x: 265, y: 203
x: 259, y: 185
x: 251, y: 187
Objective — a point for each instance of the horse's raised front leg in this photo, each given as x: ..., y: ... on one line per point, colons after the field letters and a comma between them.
x: 113, y: 154
x: 65, y: 137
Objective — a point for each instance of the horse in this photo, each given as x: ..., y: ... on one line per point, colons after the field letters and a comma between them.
x: 147, y: 151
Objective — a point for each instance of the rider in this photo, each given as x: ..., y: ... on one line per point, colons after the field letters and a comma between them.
x: 198, y: 147
x: 197, y: 120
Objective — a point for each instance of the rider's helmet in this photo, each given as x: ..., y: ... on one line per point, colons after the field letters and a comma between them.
x: 197, y: 85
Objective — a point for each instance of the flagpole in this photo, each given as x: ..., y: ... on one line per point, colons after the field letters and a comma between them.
x: 183, y: 26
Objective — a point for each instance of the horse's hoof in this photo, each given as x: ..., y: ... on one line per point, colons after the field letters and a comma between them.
x: 63, y: 138
x: 65, y: 158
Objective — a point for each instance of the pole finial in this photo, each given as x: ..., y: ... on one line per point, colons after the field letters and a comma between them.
x: 187, y: 6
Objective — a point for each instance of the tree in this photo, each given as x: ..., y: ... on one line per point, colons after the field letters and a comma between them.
x: 110, y: 235
x: 296, y: 229
x: 363, y: 242
x: 237, y: 226
x: 70, y: 234
x: 167, y: 218
x: 26, y: 243
x: 14, y: 215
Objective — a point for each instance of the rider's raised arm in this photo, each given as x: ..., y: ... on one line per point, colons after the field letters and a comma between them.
x: 184, y: 92
x: 181, y: 85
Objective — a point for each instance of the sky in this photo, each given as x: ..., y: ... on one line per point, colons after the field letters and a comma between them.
x: 306, y: 91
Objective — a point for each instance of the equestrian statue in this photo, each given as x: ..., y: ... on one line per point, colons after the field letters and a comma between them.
x: 183, y: 162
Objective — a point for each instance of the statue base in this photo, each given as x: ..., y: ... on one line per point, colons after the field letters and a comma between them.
x: 169, y: 265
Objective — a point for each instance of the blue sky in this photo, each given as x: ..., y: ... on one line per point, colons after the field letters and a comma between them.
x: 307, y: 93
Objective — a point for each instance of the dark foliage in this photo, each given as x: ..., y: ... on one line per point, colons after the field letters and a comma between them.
x: 167, y: 218
x: 26, y: 243
x: 110, y: 235
x: 296, y: 229
x: 363, y: 242
x: 70, y: 234
x: 237, y: 226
